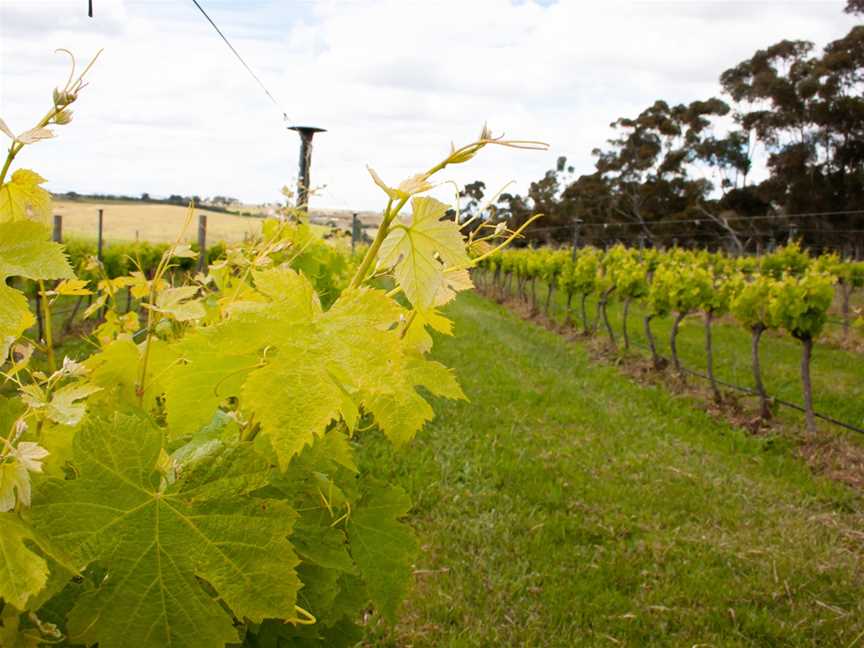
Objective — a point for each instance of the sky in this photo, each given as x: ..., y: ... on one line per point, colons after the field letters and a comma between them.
x: 169, y: 110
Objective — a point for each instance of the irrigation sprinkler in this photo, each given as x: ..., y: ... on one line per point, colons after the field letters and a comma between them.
x: 303, y: 180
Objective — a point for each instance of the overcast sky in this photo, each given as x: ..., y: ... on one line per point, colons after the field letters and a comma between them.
x: 169, y: 109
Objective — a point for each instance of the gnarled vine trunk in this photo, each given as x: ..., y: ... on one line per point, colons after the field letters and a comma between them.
x: 764, y: 402
x: 624, y: 333
x: 673, y: 346
x: 846, y: 292
x: 604, y: 299
x: 585, y: 326
x: 533, y: 295
x: 651, y: 343
x: 549, y: 297
x: 568, y: 317
x: 709, y: 357
x: 807, y: 386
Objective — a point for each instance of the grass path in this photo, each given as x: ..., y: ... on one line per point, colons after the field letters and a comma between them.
x: 565, y: 505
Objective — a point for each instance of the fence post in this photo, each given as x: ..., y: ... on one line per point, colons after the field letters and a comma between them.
x: 355, y: 231
x: 202, y: 242
x: 57, y: 237
x: 576, y: 223
x: 99, y: 240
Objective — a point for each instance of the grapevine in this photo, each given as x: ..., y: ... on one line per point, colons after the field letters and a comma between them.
x: 194, y: 482
x: 787, y: 289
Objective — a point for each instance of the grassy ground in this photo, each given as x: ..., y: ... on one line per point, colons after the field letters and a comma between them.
x: 149, y: 222
x: 565, y: 505
x: 837, y: 373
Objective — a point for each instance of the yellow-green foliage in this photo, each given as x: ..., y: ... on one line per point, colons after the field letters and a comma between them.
x: 751, y: 304
x: 789, y: 259
x: 580, y: 276
x: 800, y: 303
x: 193, y: 481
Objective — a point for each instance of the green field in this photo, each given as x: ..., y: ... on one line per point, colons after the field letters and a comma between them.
x: 566, y: 505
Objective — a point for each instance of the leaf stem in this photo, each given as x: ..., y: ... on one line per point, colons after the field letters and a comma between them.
x: 49, y: 337
x: 383, y: 229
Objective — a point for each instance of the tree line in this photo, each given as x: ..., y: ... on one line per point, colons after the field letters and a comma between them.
x: 682, y: 173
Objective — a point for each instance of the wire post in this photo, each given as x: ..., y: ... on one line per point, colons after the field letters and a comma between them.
x: 57, y: 233
x: 303, y: 178
x: 202, y: 242
x: 99, y: 239
x: 576, y: 223
x: 355, y: 231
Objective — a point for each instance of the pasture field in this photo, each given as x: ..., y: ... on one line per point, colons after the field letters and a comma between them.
x: 567, y: 505
x: 157, y: 223
x: 127, y: 221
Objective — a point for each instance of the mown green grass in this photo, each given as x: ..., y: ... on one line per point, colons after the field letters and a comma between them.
x: 565, y: 505
x: 837, y: 374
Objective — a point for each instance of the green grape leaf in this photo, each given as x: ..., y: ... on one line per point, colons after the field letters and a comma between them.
x: 295, y: 397
x: 349, y: 356
x: 318, y: 542
x: 216, y: 360
x: 64, y: 407
x: 417, y: 335
x: 115, y: 370
x: 179, y: 303
x: 22, y: 197
x: 25, y: 251
x: 156, y: 540
x: 400, y: 411
x: 213, y: 369
x: 428, y: 255
x: 23, y: 573
x: 383, y: 548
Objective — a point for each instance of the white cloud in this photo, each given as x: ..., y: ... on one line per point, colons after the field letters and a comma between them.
x: 170, y: 110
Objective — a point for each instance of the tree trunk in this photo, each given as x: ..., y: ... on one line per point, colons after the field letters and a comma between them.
x: 604, y: 299
x: 806, y: 355
x: 673, y: 347
x: 764, y: 403
x: 534, y: 295
x: 651, y: 344
x: 585, y: 326
x: 568, y: 317
x: 624, y: 332
x: 709, y: 357
x: 508, y: 286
